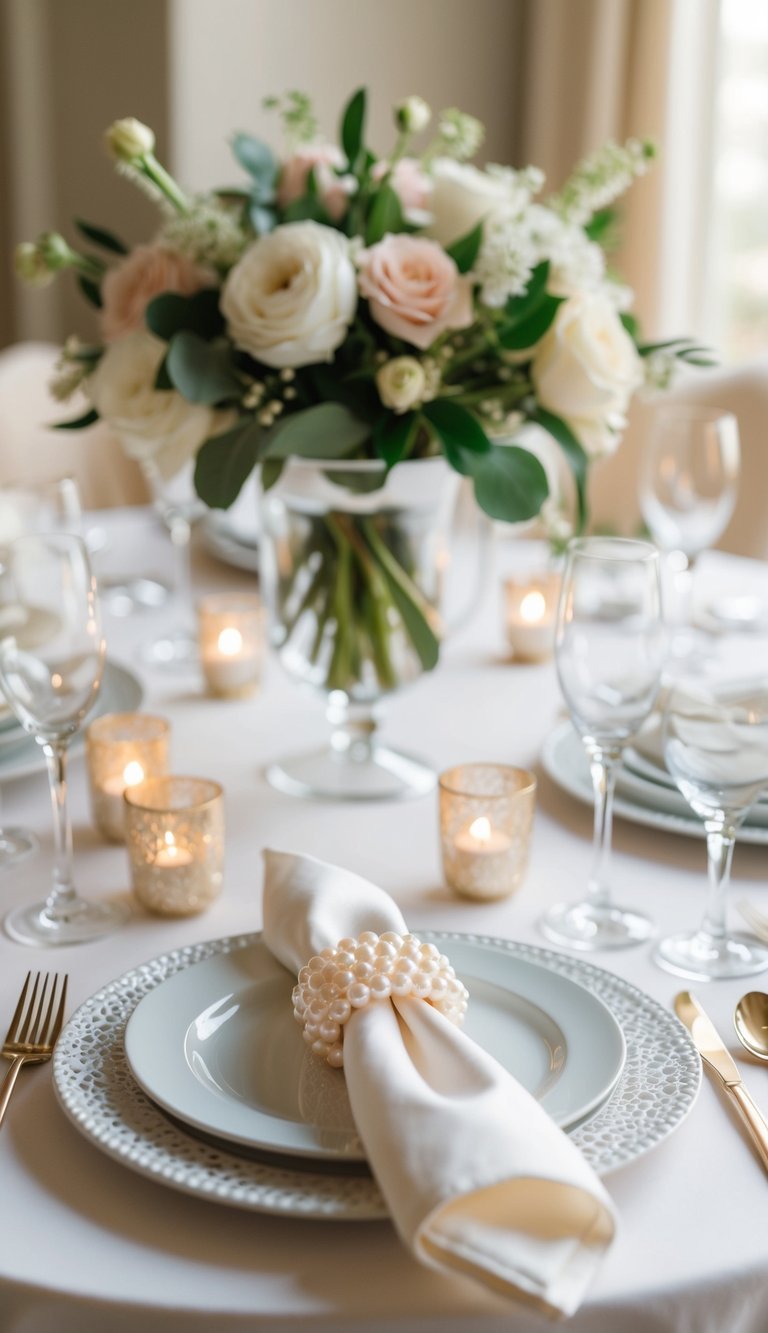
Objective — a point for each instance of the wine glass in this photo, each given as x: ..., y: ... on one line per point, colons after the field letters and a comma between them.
x: 179, y: 507
x: 716, y: 749
x: 609, y: 652
x: 688, y: 486
x: 50, y: 679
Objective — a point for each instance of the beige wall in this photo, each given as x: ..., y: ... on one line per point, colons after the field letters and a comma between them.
x: 227, y: 56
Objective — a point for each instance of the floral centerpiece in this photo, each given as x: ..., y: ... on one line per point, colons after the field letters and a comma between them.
x: 343, y: 306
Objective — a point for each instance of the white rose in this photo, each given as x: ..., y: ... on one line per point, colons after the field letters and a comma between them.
x: 291, y: 298
x: 462, y: 196
x: 585, y: 370
x: 401, y: 383
x: 156, y: 424
x: 128, y: 139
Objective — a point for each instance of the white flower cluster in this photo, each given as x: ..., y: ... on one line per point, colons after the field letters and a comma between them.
x: 210, y: 234
x: 459, y: 135
x: 515, y: 242
x: 601, y: 178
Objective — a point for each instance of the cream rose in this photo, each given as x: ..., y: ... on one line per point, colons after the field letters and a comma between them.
x: 462, y: 196
x: 151, y: 424
x: 130, y: 285
x: 291, y: 298
x: 414, y: 289
x: 586, y: 368
x: 334, y: 191
x: 401, y: 383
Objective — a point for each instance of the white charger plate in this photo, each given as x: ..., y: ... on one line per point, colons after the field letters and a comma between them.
x: 97, y: 1091
x: 121, y: 692
x: 564, y: 760
x: 217, y: 1046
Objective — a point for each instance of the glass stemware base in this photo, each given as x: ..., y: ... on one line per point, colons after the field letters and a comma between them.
x: 76, y: 922
x: 371, y: 773
x: 589, y: 925
x: 703, y: 957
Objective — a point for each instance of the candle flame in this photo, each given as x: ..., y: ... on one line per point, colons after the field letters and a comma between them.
x: 170, y: 841
x: 133, y: 773
x: 230, y: 642
x: 481, y: 829
x: 533, y: 606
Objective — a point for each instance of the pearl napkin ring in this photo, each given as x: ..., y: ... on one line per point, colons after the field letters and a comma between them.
x: 371, y: 967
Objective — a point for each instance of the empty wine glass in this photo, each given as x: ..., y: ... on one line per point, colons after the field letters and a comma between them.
x: 180, y: 507
x: 716, y: 749
x: 688, y: 486
x: 50, y: 679
x: 609, y: 651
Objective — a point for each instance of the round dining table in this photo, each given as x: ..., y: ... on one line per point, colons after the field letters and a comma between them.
x: 88, y: 1245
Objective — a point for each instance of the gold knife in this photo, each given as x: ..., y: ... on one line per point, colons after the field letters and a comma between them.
x: 715, y: 1055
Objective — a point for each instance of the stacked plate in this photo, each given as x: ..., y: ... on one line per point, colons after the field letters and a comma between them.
x: 20, y: 754
x: 645, y: 791
x: 192, y: 1070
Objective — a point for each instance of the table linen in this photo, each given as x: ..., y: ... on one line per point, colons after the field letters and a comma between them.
x: 86, y: 1245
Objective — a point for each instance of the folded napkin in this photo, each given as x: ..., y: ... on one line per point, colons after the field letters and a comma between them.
x: 477, y: 1178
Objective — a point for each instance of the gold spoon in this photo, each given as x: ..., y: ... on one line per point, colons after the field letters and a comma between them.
x: 751, y: 1022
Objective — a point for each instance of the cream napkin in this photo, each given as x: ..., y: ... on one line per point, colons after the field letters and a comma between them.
x: 477, y: 1178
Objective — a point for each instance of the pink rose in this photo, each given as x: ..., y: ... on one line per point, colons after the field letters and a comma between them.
x: 333, y: 190
x: 411, y: 184
x: 414, y: 289
x: 147, y: 271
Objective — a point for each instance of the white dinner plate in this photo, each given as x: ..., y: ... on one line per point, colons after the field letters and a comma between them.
x: 217, y: 1046
x: 95, y: 1087
x: 565, y: 761
x: 120, y: 692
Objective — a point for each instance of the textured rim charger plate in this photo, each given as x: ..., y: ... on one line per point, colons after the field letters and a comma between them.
x: 540, y: 999
x: 638, y: 798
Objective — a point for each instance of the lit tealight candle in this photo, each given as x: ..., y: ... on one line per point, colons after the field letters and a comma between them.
x: 230, y: 643
x: 170, y: 854
x: 123, y: 749
x: 484, y: 854
x: 530, y: 616
x: 481, y: 839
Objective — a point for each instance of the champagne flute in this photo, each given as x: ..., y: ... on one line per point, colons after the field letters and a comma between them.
x: 179, y: 507
x: 51, y: 680
x: 716, y: 749
x: 609, y: 652
x: 688, y: 486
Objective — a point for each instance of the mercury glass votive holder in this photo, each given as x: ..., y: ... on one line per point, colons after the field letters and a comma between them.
x: 530, y: 612
x: 175, y: 840
x: 486, y: 815
x: 231, y: 638
x: 122, y: 750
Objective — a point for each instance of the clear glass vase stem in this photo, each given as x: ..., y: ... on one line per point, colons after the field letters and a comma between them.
x: 181, y: 533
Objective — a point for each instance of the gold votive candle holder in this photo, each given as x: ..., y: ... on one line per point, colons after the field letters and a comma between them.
x: 122, y: 750
x: 530, y: 611
x: 175, y: 840
x: 230, y: 630
x: 486, y: 815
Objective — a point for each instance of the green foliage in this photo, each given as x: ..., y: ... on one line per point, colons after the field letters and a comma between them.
x: 386, y: 215
x: 78, y: 423
x: 510, y: 483
x: 100, y: 236
x: 574, y: 453
x: 462, y: 437
x: 172, y: 313
x: 328, y: 430
x: 202, y: 371
x: 393, y: 436
x: 464, y: 252
x: 353, y: 128
x: 90, y: 290
x: 257, y: 159
x: 225, y: 462
x: 525, y: 333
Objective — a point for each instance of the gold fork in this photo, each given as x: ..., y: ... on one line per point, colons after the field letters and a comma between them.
x: 34, y: 1029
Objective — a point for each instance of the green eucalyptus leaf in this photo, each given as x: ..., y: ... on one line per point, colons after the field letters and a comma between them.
x: 520, y: 336
x: 353, y: 126
x: 256, y: 158
x: 170, y: 313
x: 327, y: 430
x: 464, y: 252
x: 78, y: 423
x: 202, y: 371
x: 90, y: 290
x: 510, y: 483
x: 574, y: 452
x: 459, y: 432
x: 271, y: 469
x: 386, y: 215
x: 100, y: 236
x: 262, y: 219
x: 225, y: 462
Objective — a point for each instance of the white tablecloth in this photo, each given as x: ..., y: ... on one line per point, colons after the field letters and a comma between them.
x: 86, y: 1245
